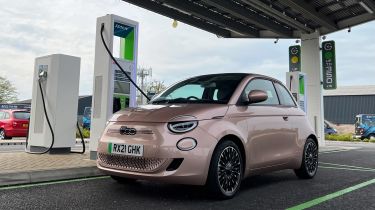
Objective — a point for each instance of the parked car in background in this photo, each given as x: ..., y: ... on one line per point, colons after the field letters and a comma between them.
x: 13, y: 123
x: 364, y: 126
x: 211, y: 129
x: 86, y: 119
x: 328, y: 129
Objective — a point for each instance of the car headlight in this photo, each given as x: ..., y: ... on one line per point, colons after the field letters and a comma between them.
x: 182, y: 127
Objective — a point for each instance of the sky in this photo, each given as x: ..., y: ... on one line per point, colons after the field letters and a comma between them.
x: 32, y: 29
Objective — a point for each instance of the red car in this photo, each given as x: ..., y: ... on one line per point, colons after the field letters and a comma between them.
x: 13, y: 123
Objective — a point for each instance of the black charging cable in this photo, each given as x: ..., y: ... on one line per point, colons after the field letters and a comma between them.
x: 82, y: 141
x: 50, y: 127
x: 48, y: 122
x: 114, y: 60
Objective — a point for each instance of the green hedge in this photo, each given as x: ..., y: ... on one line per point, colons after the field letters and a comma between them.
x: 85, y: 133
x: 345, y: 137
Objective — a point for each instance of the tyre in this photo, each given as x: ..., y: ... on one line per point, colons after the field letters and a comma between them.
x: 226, y: 170
x: 123, y: 180
x: 310, y: 161
x: 2, y: 135
x: 371, y: 136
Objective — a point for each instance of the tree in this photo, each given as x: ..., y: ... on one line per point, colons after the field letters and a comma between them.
x: 156, y: 86
x: 8, y: 92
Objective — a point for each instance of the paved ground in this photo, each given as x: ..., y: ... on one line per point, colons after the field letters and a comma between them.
x: 23, y: 168
x: 340, y: 168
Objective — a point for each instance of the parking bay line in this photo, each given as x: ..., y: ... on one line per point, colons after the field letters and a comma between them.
x: 348, y: 169
x: 348, y: 166
x: 331, y: 196
x: 334, y: 151
x: 51, y: 183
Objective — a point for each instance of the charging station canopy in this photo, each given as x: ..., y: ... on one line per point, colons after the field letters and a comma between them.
x: 264, y: 18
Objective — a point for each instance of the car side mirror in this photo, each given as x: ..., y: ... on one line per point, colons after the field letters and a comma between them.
x: 256, y: 96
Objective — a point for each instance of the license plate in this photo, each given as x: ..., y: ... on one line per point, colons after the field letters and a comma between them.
x: 25, y: 125
x: 126, y: 149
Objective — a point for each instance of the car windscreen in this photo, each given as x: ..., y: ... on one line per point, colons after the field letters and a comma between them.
x: 21, y: 115
x: 216, y: 89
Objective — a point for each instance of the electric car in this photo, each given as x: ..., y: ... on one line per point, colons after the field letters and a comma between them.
x: 13, y: 123
x: 211, y: 130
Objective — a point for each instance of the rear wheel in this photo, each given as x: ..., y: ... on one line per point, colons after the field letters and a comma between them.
x: 309, y: 165
x: 225, y: 173
x: 371, y: 136
x: 2, y: 135
x: 123, y: 180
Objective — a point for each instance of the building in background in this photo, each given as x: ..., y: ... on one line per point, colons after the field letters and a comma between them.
x: 343, y: 104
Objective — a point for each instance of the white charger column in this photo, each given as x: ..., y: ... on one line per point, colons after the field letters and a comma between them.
x: 60, y: 90
x: 311, y: 65
x: 107, y: 77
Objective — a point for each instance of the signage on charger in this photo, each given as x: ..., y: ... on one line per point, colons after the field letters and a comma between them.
x: 122, y: 30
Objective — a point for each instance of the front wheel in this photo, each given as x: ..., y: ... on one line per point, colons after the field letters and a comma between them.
x: 371, y: 136
x: 226, y: 169
x: 309, y: 165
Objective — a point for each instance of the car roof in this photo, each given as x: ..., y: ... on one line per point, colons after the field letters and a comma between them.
x: 239, y: 74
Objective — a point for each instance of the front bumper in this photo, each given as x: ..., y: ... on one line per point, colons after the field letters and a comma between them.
x: 160, y: 152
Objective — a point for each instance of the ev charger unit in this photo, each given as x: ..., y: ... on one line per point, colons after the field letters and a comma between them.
x: 116, y: 44
x: 57, y: 76
x: 296, y: 83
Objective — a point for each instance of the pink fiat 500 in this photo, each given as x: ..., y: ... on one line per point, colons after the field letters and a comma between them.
x: 211, y: 130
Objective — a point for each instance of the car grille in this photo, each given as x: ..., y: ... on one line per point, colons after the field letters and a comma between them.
x: 130, y: 163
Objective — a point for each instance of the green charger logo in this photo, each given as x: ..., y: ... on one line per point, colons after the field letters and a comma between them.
x: 127, y: 40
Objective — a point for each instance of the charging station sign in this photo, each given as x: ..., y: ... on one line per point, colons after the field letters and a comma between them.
x: 294, y: 58
x: 329, y: 65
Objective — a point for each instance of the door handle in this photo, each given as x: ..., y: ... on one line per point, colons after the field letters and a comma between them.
x: 285, y: 118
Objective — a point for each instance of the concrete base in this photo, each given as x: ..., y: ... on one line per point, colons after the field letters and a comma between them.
x: 61, y: 150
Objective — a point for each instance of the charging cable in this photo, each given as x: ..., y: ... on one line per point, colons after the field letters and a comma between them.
x: 82, y: 141
x: 48, y: 122
x: 114, y: 60
x: 50, y: 127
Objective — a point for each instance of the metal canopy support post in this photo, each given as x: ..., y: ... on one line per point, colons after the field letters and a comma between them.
x: 310, y: 61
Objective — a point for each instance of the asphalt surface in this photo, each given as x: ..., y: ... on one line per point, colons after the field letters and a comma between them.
x: 279, y: 190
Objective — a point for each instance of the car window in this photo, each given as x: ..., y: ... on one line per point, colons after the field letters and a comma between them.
x: 217, y: 88
x: 264, y: 85
x: 191, y: 90
x: 284, y: 96
x: 2, y: 115
x: 6, y: 115
x: 21, y: 115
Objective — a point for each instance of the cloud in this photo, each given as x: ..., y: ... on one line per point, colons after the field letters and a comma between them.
x: 38, y: 28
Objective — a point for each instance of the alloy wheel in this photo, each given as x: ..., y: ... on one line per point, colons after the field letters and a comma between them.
x: 229, y: 170
x: 311, y: 157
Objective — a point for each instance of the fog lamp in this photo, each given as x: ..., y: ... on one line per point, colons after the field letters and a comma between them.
x: 186, y: 144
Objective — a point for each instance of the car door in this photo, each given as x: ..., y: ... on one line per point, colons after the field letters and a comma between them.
x: 1, y: 119
x: 295, y: 118
x: 7, y: 121
x: 267, y: 126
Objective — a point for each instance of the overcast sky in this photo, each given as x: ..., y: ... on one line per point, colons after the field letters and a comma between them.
x: 30, y: 29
